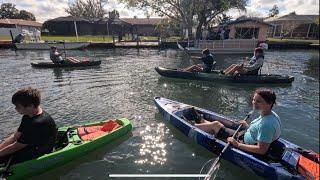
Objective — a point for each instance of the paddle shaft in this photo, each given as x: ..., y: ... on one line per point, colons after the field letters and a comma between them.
x: 226, y: 147
x: 64, y: 48
x: 7, y: 167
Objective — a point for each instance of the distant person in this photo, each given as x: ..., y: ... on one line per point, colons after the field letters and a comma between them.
x: 251, y: 68
x: 226, y: 34
x: 19, y: 38
x: 36, y: 134
x: 56, y: 57
x: 222, y: 34
x: 208, y: 63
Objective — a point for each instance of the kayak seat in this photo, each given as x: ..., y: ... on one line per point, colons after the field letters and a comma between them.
x: 191, y: 115
x: 61, y: 140
x: 87, y: 133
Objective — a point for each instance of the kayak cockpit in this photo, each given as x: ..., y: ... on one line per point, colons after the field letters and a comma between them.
x: 275, y: 152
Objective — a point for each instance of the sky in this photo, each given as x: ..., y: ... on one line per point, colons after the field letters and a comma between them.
x: 49, y: 9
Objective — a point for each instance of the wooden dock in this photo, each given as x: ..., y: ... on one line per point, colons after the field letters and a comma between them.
x: 137, y: 44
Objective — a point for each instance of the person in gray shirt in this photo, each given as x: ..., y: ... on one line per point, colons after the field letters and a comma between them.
x: 252, y: 67
x: 55, y: 56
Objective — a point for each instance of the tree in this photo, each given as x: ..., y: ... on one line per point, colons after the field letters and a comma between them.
x: 90, y: 9
x: 223, y: 19
x: 9, y: 10
x: 274, y: 11
x: 186, y: 11
x: 23, y: 14
x: 114, y: 15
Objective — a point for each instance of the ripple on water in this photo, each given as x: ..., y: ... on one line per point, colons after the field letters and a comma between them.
x: 124, y: 86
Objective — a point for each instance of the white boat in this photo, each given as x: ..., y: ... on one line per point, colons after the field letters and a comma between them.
x: 229, y: 46
x: 47, y: 45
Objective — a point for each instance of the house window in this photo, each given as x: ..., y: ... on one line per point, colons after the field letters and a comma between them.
x: 247, y: 33
x: 7, y: 26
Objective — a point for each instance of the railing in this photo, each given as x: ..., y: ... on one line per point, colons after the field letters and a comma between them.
x: 227, y: 44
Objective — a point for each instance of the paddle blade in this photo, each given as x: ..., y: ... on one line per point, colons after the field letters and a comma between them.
x: 213, y: 171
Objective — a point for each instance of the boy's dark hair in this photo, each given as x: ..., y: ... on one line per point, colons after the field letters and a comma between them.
x: 206, y: 52
x: 26, y: 97
x: 268, y: 95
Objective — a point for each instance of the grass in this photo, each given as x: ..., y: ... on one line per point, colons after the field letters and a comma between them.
x: 80, y: 38
x: 293, y: 41
x: 5, y: 38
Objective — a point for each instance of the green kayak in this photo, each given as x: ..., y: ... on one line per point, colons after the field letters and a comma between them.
x: 70, y: 144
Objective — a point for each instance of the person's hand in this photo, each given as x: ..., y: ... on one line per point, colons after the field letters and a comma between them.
x: 232, y: 141
x: 243, y: 122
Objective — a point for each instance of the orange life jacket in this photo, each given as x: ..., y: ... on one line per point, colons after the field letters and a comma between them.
x: 309, y: 168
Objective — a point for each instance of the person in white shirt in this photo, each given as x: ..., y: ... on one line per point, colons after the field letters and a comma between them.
x: 251, y: 67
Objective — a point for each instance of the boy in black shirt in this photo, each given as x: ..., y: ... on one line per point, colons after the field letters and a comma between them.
x: 36, y: 134
x: 207, y: 66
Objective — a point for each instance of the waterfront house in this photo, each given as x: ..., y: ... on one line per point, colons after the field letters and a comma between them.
x: 106, y: 26
x: 19, y: 26
x: 293, y: 25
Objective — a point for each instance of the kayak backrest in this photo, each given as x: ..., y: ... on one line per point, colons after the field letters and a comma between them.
x: 62, y: 140
x: 276, y: 150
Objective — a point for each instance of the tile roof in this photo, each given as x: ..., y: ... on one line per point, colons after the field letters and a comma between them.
x: 294, y: 17
x: 20, y: 22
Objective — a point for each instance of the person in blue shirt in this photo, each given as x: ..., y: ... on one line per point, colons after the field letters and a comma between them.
x: 208, y: 63
x: 260, y: 133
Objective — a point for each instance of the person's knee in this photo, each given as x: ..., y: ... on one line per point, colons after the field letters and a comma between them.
x: 216, y: 126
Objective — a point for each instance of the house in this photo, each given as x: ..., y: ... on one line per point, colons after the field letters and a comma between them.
x: 106, y: 26
x: 19, y: 26
x: 293, y: 25
x: 144, y: 26
x: 248, y: 29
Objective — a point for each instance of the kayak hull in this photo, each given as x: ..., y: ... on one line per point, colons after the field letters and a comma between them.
x: 172, y: 112
x: 52, y: 65
x: 74, y: 148
x: 216, y: 76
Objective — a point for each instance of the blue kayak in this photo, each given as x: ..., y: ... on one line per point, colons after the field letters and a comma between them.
x: 281, y: 161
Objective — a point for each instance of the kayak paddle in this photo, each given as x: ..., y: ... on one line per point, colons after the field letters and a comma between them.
x: 215, y: 165
x: 6, y: 169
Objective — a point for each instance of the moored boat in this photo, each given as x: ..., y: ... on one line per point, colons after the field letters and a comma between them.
x: 72, y: 142
x: 47, y: 45
x: 284, y: 159
x: 217, y: 76
x: 52, y: 65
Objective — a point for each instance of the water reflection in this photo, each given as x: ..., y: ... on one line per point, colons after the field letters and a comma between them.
x: 153, y: 147
x: 313, y: 67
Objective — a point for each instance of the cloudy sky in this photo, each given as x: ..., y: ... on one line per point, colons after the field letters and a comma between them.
x: 48, y: 9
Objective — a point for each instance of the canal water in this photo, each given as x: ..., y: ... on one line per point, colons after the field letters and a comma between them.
x: 124, y: 86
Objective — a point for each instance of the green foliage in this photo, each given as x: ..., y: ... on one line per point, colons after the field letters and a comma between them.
x: 274, y: 11
x: 9, y: 10
x: 23, y: 14
x: 185, y: 11
x: 90, y: 9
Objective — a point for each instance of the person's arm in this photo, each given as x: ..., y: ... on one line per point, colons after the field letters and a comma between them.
x: 10, y: 149
x: 261, y: 148
x: 11, y: 139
